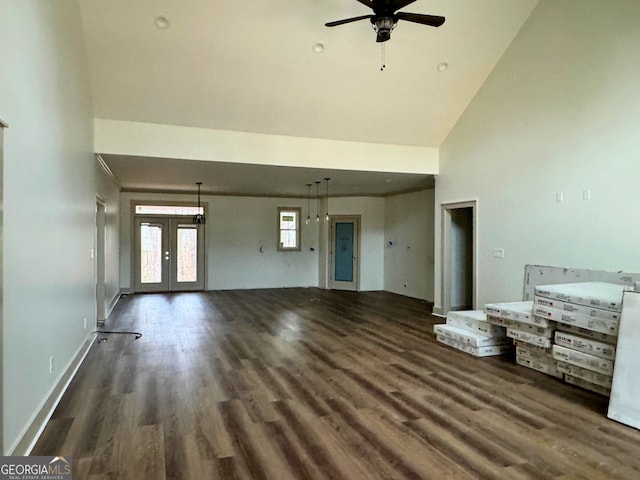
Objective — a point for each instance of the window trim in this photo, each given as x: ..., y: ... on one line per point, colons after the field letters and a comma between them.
x: 298, y: 247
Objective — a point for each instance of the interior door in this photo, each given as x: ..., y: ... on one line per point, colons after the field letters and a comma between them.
x: 169, y: 255
x: 345, y: 245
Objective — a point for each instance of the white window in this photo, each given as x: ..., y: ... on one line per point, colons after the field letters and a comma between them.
x: 168, y: 210
x: 288, y: 228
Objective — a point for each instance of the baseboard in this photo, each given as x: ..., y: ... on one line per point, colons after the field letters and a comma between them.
x: 438, y: 311
x: 39, y: 421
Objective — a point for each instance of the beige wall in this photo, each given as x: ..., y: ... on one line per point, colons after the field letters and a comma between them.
x: 236, y: 228
x: 172, y: 141
x: 109, y: 192
x: 558, y: 114
x: 49, y: 201
x: 408, y: 260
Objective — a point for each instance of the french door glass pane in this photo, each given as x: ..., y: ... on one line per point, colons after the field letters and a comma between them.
x: 150, y: 253
x: 187, y: 257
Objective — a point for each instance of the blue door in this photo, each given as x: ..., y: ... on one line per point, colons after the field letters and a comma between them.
x: 343, y: 248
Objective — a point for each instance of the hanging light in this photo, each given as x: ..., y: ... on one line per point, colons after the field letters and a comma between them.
x: 199, y: 218
x: 318, y: 201
x: 326, y: 217
x: 308, y: 220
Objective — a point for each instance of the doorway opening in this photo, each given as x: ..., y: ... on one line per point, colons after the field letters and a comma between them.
x: 459, y: 256
x: 344, y: 253
x: 101, y: 226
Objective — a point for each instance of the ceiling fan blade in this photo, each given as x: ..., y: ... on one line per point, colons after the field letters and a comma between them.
x: 346, y: 20
x: 431, y: 20
x: 367, y: 3
x: 398, y: 4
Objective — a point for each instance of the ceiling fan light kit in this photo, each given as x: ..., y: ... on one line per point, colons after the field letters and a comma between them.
x: 385, y: 17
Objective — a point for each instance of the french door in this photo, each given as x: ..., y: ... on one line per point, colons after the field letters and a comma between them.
x: 169, y: 254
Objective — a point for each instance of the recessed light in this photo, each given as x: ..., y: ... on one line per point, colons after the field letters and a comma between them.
x: 318, y: 47
x: 161, y: 22
x: 443, y: 66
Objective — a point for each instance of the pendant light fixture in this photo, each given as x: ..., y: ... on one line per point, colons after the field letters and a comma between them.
x: 318, y: 201
x: 199, y: 218
x: 308, y: 220
x: 326, y: 217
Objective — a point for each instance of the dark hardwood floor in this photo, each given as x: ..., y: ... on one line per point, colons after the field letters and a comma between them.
x: 313, y: 384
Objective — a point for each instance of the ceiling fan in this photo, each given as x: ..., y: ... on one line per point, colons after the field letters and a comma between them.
x: 385, y: 17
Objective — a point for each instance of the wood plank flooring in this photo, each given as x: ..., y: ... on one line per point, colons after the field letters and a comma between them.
x: 313, y: 384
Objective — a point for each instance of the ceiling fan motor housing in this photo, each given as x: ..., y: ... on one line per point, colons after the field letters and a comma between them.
x: 383, y: 25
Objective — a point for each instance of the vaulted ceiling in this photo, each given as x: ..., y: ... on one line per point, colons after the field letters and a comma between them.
x: 251, y: 66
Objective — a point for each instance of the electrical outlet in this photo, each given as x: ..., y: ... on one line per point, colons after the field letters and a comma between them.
x: 85, y: 322
x: 50, y: 364
x: 586, y: 194
x: 498, y: 253
x: 560, y: 197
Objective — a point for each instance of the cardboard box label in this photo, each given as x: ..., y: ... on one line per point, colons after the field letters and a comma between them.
x: 576, y: 342
x: 581, y: 359
x: 529, y: 338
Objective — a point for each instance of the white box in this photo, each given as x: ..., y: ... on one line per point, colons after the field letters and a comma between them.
x: 584, y: 360
x: 544, y: 367
x: 520, y: 311
x: 489, y: 351
x: 528, y: 346
x: 478, y: 315
x: 584, y: 374
x: 475, y: 321
x: 524, y: 327
x: 572, y: 307
x: 528, y: 337
x: 609, y: 327
x: 535, y: 353
x: 579, y: 382
x: 624, y: 406
x: 576, y: 342
x: 607, y: 296
x: 601, y: 337
x: 470, y: 338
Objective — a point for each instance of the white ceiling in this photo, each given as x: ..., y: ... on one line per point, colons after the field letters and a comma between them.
x: 250, y: 66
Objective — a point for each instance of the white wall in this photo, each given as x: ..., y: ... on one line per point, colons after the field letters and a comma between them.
x: 109, y: 192
x: 49, y: 201
x: 235, y: 229
x: 558, y: 114
x: 408, y: 263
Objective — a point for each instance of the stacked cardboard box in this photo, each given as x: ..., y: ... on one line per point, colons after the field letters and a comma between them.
x: 533, y: 336
x: 587, y: 315
x: 470, y: 332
